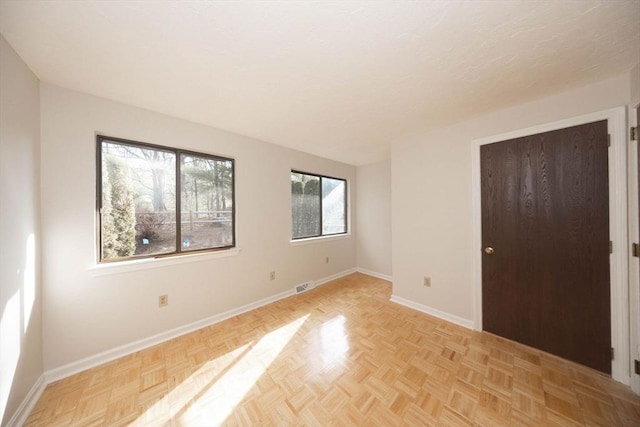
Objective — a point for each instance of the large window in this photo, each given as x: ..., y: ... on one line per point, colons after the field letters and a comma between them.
x: 156, y: 200
x: 318, y: 205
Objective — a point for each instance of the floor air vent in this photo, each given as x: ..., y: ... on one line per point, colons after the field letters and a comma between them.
x: 304, y: 287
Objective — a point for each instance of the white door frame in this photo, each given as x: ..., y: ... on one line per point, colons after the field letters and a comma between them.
x: 634, y: 272
x: 617, y: 120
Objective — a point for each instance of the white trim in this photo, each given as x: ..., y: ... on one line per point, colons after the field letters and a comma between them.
x: 634, y: 273
x: 108, y: 268
x: 27, y: 405
x: 619, y: 234
x: 460, y: 321
x: 374, y: 274
x: 328, y: 279
x: 315, y: 283
x: 319, y: 239
x: 616, y: 118
x: 123, y: 350
x: 20, y: 416
x: 112, y: 354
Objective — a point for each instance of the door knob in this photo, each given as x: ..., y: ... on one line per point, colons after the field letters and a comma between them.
x: 489, y: 250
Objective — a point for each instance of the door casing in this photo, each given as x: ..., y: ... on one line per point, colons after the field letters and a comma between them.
x: 616, y: 122
x: 634, y: 272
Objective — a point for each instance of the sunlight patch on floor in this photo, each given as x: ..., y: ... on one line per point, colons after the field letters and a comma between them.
x: 219, y: 401
x: 209, y: 396
x: 185, y: 392
x: 334, y: 341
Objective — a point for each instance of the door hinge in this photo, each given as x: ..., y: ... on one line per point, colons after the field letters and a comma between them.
x: 609, y: 140
x: 634, y: 133
x: 612, y: 353
x: 637, y: 365
x: 610, y: 247
x: 635, y: 250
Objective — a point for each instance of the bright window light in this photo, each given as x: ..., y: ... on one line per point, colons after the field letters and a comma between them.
x: 212, y: 393
x: 29, y: 284
x: 10, y: 348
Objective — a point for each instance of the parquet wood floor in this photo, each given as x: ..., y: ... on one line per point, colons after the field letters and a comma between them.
x: 340, y: 355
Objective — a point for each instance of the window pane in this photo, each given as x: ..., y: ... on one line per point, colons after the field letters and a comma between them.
x: 138, y: 201
x: 207, y: 202
x: 333, y: 206
x: 305, y: 205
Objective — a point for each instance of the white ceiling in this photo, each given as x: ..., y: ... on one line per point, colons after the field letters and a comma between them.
x: 340, y: 79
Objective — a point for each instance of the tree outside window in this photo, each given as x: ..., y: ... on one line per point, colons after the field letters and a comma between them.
x: 318, y: 205
x: 140, y: 213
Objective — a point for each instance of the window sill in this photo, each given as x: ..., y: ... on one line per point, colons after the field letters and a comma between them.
x: 150, y: 263
x: 321, y: 239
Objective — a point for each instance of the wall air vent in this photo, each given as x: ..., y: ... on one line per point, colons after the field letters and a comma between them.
x: 304, y: 287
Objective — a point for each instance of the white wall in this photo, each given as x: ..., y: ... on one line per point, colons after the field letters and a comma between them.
x: 86, y: 314
x: 431, y: 195
x: 20, y: 296
x: 374, y: 217
x: 635, y: 86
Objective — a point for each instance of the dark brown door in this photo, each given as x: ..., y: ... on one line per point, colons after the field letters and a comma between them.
x: 545, y: 218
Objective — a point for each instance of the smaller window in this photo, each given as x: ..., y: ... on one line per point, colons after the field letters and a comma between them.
x: 318, y: 205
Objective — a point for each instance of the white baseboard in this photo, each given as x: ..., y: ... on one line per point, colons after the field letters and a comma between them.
x: 465, y: 323
x: 374, y: 274
x: 328, y: 279
x: 115, y: 353
x: 20, y: 416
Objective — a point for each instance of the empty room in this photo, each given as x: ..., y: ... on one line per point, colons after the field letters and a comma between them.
x: 350, y: 213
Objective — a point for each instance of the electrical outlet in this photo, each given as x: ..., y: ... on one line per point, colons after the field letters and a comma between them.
x: 163, y: 300
x: 272, y: 275
x: 427, y: 281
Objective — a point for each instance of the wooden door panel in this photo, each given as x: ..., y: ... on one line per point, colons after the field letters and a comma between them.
x: 545, y: 211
